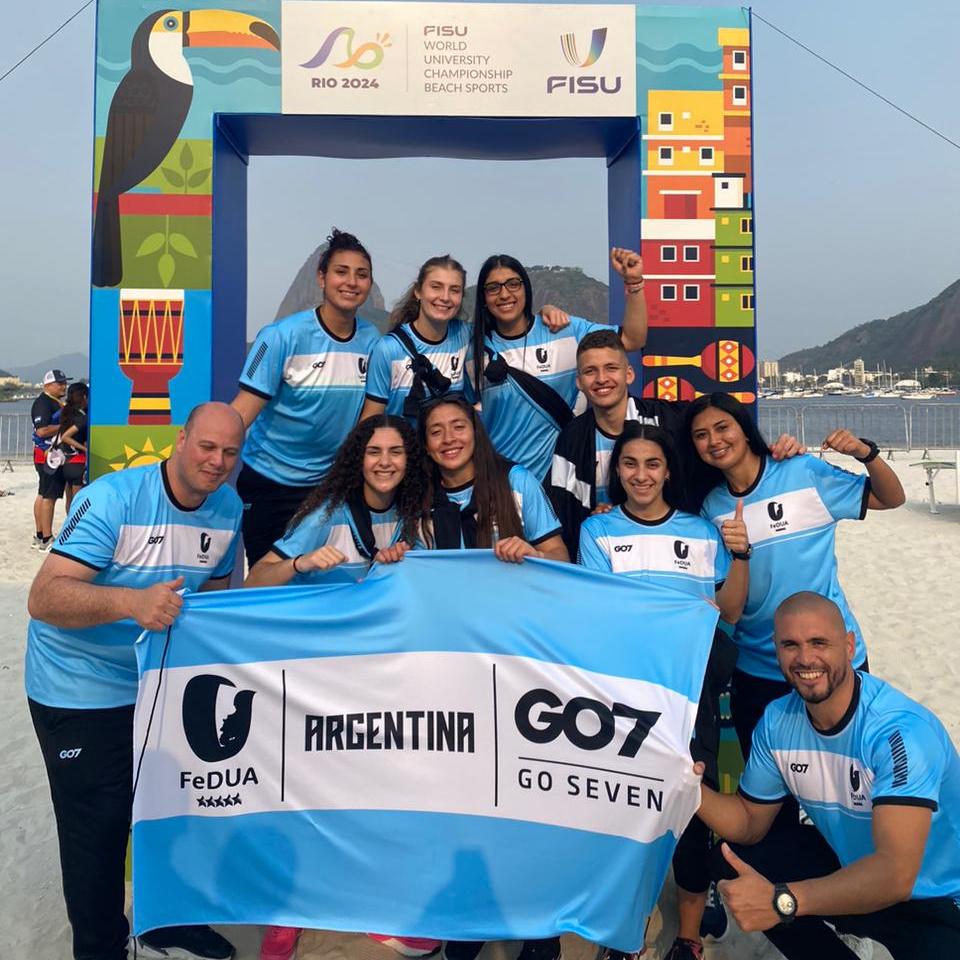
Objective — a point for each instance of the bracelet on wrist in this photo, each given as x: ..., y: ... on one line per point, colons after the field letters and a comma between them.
x: 295, y: 559
x: 633, y: 287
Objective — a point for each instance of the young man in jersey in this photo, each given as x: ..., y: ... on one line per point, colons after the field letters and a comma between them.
x: 581, y: 458
x: 132, y: 541
x: 45, y: 414
x: 301, y: 391
x: 521, y: 372
x: 879, y: 777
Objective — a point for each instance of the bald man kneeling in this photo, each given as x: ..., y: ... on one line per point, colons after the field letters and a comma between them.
x: 880, y: 778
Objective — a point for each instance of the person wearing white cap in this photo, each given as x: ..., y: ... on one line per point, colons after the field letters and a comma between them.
x: 45, y: 414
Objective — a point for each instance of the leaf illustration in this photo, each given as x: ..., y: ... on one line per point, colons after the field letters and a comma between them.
x: 166, y: 267
x: 186, y: 157
x: 198, y: 177
x: 183, y: 245
x: 175, y: 178
x: 150, y: 244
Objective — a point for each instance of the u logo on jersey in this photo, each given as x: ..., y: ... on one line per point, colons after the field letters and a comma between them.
x: 542, y: 355
x: 362, y: 365
x: 454, y: 363
x: 681, y: 549
x: 775, y: 510
x: 857, y: 798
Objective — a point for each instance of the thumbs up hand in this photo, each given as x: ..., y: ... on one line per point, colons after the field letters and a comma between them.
x: 734, y: 532
x: 749, y: 896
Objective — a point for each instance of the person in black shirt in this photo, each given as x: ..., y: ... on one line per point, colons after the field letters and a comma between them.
x: 45, y: 414
x: 73, y: 437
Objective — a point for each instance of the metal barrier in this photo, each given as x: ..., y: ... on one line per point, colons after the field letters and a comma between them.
x: 16, y: 436
x: 775, y: 418
x: 935, y: 426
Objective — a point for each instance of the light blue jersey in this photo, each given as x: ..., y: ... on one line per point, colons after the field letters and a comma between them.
x: 390, y: 377
x: 791, y: 513
x: 536, y: 513
x: 680, y: 550
x: 604, y: 447
x: 128, y: 527
x: 314, y: 385
x: 519, y: 428
x: 886, y: 749
x: 336, y: 528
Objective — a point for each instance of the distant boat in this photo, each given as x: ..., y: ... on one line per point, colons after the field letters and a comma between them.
x: 919, y: 395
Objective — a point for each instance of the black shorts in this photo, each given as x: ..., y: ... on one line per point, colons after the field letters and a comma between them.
x: 51, y: 485
x: 74, y: 473
x: 267, y: 509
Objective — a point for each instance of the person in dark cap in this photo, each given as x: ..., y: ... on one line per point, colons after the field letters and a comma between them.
x: 45, y: 414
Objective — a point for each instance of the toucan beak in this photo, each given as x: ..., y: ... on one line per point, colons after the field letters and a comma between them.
x: 227, y: 28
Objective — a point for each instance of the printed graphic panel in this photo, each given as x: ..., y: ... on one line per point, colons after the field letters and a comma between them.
x: 459, y: 59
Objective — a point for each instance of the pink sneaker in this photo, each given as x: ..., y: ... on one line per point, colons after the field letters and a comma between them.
x: 279, y: 943
x: 407, y: 946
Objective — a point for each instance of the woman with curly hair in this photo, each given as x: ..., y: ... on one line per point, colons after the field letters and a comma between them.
x: 476, y: 498
x: 366, y: 508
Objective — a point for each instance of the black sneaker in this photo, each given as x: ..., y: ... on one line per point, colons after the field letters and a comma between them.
x: 684, y: 949
x: 715, y: 924
x: 181, y: 943
x: 548, y: 949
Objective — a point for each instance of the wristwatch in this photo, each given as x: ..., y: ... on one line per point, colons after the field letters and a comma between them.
x: 742, y: 555
x: 872, y: 455
x: 784, y: 903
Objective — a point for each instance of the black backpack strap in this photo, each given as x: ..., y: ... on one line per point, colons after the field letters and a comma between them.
x: 363, y: 537
x: 425, y: 374
x: 452, y: 527
x: 542, y: 394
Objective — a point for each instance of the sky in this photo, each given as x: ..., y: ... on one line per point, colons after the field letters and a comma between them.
x: 856, y: 206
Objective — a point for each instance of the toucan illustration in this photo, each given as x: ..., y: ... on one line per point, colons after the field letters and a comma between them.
x: 149, y: 107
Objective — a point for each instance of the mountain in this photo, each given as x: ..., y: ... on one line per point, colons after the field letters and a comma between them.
x: 304, y: 294
x: 928, y: 335
x: 566, y: 287
x: 75, y: 365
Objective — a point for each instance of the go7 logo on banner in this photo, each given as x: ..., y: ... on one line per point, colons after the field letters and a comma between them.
x: 553, y: 723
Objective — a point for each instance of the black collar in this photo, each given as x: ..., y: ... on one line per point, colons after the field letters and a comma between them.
x: 647, y: 523
x: 841, y: 724
x: 168, y: 490
x: 330, y: 333
x: 753, y: 486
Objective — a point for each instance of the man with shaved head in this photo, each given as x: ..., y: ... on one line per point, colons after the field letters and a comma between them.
x: 879, y: 777
x: 133, y: 540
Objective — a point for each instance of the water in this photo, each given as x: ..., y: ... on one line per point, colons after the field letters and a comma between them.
x: 892, y: 423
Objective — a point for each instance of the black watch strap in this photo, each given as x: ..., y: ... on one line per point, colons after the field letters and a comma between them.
x: 872, y: 455
x: 784, y: 903
x: 742, y: 555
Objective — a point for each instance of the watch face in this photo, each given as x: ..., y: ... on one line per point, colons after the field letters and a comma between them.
x: 786, y: 904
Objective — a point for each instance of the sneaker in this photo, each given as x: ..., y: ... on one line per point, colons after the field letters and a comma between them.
x: 44, y: 545
x: 182, y: 943
x: 279, y: 943
x: 406, y: 946
x: 715, y: 924
x: 608, y: 953
x: 35, y: 541
x: 684, y: 949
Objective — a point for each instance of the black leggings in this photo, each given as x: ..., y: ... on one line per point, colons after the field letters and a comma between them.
x: 267, y: 509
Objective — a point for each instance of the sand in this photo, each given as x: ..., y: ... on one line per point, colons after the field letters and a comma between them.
x: 900, y: 570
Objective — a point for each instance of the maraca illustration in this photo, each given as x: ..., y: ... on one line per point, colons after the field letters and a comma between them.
x: 150, y: 350
x: 725, y: 361
x: 676, y: 388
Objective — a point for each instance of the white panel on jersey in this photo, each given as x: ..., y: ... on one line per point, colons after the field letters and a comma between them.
x: 685, y: 556
x: 558, y: 355
x: 330, y: 369
x: 341, y: 537
x: 449, y: 364
x: 563, y: 474
x: 821, y: 777
x: 797, y: 512
x: 171, y: 545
